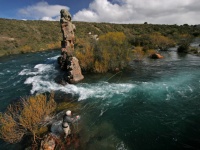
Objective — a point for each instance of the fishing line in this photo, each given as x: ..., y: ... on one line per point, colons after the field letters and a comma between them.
x: 119, y: 78
x: 113, y: 76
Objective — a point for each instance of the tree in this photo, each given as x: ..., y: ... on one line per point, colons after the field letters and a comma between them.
x: 25, y: 117
x: 184, y: 47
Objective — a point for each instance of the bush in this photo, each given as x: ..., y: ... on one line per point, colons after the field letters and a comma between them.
x: 25, y: 117
x: 161, y: 42
x: 111, y: 51
x: 154, y: 41
x: 138, y: 54
x: 184, y: 47
x: 85, y: 53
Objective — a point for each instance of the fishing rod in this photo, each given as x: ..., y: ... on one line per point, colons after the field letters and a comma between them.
x: 113, y: 76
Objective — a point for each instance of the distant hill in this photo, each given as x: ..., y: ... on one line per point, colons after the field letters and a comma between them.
x: 18, y: 36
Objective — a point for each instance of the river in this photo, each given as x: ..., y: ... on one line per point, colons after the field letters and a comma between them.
x: 153, y: 105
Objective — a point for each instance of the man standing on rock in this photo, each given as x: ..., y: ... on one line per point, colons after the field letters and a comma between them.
x: 68, y: 121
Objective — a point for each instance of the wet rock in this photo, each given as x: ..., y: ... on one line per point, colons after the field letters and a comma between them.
x: 56, y: 128
x: 76, y: 71
x: 48, y: 143
x: 156, y: 56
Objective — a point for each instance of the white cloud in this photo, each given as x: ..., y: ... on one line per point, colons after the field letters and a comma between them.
x: 47, y: 18
x: 42, y: 11
x: 140, y: 11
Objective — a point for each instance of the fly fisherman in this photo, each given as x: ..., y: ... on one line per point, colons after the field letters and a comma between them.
x: 68, y: 121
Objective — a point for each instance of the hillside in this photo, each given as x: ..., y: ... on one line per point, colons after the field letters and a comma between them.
x: 18, y: 36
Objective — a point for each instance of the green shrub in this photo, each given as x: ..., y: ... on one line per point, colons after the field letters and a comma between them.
x: 183, y: 48
x: 111, y: 51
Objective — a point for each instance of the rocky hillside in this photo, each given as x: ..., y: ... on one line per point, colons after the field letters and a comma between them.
x: 18, y: 36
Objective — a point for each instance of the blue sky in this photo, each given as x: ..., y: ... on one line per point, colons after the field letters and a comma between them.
x: 114, y: 11
x: 10, y: 8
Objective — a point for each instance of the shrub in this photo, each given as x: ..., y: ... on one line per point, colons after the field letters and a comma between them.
x: 85, y: 53
x: 25, y: 117
x: 150, y: 52
x: 112, y: 52
x: 160, y: 41
x: 138, y: 54
x: 153, y: 41
x: 183, y: 48
x: 108, y: 53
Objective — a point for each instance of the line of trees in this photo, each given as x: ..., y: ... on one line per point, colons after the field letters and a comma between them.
x: 114, y: 50
x: 18, y: 36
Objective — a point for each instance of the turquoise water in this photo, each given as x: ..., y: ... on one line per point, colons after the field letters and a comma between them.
x: 153, y: 105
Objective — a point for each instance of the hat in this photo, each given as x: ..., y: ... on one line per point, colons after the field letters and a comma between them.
x: 68, y: 113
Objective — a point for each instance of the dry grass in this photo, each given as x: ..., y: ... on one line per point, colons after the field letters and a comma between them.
x: 25, y: 117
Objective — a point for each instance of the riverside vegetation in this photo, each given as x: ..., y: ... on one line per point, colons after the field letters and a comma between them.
x: 117, y: 44
x: 26, y: 117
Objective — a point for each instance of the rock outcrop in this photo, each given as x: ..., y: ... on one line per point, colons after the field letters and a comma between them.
x: 67, y: 61
x: 56, y: 139
x: 48, y: 143
x: 156, y: 56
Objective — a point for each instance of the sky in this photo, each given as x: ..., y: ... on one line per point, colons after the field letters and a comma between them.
x: 112, y: 11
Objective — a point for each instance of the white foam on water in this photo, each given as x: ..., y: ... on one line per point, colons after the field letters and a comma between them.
x: 169, y: 88
x: 44, y: 68
x: 102, y: 112
x: 53, y: 58
x: 27, y: 72
x: 38, y: 69
x: 121, y: 146
x: 41, y: 77
x: 42, y: 80
x: 102, y: 90
x: 191, y: 90
x: 105, y: 90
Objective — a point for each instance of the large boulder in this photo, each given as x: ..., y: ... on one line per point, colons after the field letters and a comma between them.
x: 156, y: 56
x: 76, y: 71
x: 56, y: 128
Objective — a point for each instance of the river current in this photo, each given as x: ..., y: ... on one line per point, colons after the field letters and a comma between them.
x: 153, y: 105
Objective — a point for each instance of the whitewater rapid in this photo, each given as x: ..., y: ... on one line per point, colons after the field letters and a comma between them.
x: 42, y: 79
